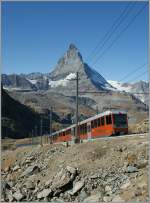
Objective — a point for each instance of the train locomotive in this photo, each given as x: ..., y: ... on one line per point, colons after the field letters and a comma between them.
x: 108, y: 123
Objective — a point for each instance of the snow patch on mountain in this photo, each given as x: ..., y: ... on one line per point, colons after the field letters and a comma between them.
x: 120, y: 86
x: 13, y: 88
x: 71, y: 76
x: 132, y: 88
x: 32, y: 81
x: 62, y: 82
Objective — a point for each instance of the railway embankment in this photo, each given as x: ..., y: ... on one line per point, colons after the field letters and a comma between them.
x: 104, y: 170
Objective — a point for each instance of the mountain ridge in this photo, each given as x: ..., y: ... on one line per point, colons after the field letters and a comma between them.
x: 61, y: 78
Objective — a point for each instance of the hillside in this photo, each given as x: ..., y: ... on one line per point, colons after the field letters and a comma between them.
x: 105, y: 170
x: 18, y: 120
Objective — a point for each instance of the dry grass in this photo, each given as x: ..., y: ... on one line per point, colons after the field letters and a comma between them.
x: 8, y: 144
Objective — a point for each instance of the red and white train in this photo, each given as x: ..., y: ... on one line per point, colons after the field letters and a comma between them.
x: 108, y: 123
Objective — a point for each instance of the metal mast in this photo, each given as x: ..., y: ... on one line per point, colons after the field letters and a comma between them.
x: 77, y: 139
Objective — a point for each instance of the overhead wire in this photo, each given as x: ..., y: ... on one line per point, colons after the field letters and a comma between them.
x: 120, y: 34
x: 143, y: 73
x: 114, y: 27
x: 107, y: 33
x: 133, y: 71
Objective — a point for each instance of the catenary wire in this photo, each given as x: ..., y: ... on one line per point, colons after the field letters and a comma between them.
x: 120, y: 34
x: 113, y: 29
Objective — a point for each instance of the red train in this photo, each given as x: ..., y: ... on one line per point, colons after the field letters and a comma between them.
x: 108, y: 123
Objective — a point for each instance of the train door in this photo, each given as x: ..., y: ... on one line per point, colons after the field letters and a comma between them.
x: 89, y: 130
x: 73, y: 133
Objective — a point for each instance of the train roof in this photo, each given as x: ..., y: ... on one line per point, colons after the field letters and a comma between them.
x: 93, y: 118
x: 103, y: 114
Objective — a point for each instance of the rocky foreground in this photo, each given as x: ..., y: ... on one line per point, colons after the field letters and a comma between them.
x: 105, y: 170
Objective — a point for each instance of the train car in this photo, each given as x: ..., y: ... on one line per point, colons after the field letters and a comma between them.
x: 108, y: 123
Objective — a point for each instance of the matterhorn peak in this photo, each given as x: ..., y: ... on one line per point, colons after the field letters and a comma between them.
x: 72, y: 47
x: 71, y: 63
x: 73, y: 53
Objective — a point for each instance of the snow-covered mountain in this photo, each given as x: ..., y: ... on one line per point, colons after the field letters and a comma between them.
x: 120, y: 86
x: 67, y: 67
x: 61, y: 79
x: 133, y: 88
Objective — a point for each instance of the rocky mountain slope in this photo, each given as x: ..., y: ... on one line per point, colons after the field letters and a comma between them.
x: 16, y: 82
x: 105, y: 170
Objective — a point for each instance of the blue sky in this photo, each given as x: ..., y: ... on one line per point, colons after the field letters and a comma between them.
x: 36, y: 34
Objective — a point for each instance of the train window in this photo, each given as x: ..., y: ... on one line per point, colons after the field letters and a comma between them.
x: 120, y: 120
x: 63, y: 133
x: 98, y: 123
x: 81, y: 129
x: 102, y: 120
x: 85, y: 128
x: 92, y: 124
x: 95, y: 123
x: 108, y: 119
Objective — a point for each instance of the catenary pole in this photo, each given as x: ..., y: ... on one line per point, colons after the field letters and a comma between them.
x: 50, y: 118
x: 41, y: 130
x: 35, y: 132
x: 77, y: 139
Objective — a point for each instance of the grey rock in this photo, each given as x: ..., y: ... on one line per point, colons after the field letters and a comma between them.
x: 83, y: 195
x: 94, y: 176
x: 107, y: 188
x: 117, y: 198
x: 10, y: 196
x: 125, y: 185
x: 48, y: 183
x: 142, y: 164
x: 131, y: 169
x: 11, y: 183
x: 78, y: 185
x: 29, y: 184
x: 7, y: 169
x: 16, y: 168
x: 107, y: 199
x: 18, y: 195
x: 93, y: 198
x: 63, y: 178
x: 44, y: 193
x: 71, y: 169
x: 4, y: 186
x: 30, y: 170
x: 56, y: 200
